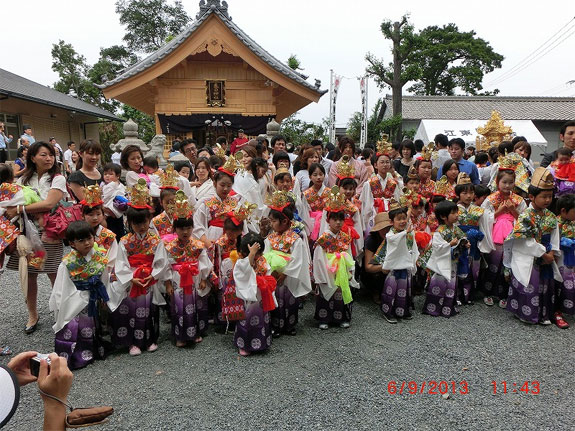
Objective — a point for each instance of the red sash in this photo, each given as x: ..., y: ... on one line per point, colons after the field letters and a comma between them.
x: 267, y: 286
x: 379, y: 205
x: 348, y: 227
x: 187, y: 271
x: 143, y: 264
x: 217, y: 222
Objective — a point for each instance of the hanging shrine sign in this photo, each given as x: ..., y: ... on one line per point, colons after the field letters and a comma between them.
x: 216, y: 93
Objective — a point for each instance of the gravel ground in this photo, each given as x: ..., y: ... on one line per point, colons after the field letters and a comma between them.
x: 335, y: 379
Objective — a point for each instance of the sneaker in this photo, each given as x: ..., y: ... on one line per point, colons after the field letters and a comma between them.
x: 560, y: 322
x: 488, y: 300
x: 243, y: 352
x: 503, y: 303
x: 390, y: 319
x: 344, y: 325
x: 153, y: 347
x: 323, y: 326
x: 135, y: 351
x: 545, y: 322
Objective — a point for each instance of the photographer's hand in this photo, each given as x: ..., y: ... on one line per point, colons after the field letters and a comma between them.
x: 20, y: 365
x: 56, y: 382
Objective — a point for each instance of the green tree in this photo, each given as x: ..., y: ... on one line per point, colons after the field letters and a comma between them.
x: 294, y: 63
x: 71, y: 68
x: 376, y: 124
x: 300, y: 132
x: 449, y: 59
x: 150, y: 23
x: 397, y: 73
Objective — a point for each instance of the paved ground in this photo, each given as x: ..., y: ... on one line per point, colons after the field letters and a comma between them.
x: 335, y: 379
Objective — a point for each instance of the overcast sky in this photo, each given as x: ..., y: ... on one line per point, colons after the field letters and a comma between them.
x: 323, y: 34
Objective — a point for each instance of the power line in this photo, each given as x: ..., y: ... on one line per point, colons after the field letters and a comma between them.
x: 535, y: 53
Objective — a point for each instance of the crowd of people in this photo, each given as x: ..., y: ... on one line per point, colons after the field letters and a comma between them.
x: 240, y: 238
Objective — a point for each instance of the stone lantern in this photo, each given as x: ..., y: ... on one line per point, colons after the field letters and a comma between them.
x: 130, y: 129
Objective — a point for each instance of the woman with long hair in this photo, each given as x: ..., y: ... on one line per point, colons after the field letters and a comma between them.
x: 42, y: 175
x: 202, y: 184
x: 87, y: 173
x: 308, y: 158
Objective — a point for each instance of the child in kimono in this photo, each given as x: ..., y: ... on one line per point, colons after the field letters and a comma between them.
x: 563, y: 169
x: 140, y: 266
x: 93, y: 214
x: 81, y: 283
x: 476, y: 223
x: 114, y: 197
x: 505, y: 207
x: 230, y: 308
x: 533, y: 244
x: 286, y: 255
x: 190, y: 268
x: 447, y: 244
x: 380, y: 188
x: 397, y: 256
x: 314, y: 199
x: 162, y: 224
x: 334, y: 267
x: 255, y: 286
x: 566, y: 290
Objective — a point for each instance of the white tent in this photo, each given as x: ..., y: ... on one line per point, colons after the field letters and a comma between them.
x: 467, y: 130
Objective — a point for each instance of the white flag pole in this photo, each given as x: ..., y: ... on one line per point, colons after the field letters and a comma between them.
x: 331, y: 119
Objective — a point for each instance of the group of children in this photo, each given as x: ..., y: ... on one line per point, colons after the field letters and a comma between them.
x: 214, y: 262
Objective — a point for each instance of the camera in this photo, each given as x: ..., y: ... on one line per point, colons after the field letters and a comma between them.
x: 35, y: 363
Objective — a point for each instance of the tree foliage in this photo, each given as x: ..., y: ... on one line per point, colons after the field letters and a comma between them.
x: 300, y: 132
x: 449, y: 59
x: 150, y: 23
x: 294, y: 63
x: 71, y: 68
x: 376, y: 124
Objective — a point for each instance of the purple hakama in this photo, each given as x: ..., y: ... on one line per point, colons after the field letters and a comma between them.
x: 334, y: 311
x: 135, y: 322
x: 184, y: 316
x: 495, y: 284
x: 533, y: 303
x: 396, y: 295
x: 566, y: 290
x: 285, y: 316
x: 440, y: 298
x: 253, y: 334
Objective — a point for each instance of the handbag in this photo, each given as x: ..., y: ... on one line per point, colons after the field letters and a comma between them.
x: 56, y: 221
x: 232, y: 306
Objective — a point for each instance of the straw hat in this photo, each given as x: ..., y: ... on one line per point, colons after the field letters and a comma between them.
x: 381, y: 222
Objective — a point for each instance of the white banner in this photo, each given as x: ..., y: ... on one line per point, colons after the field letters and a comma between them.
x: 334, y: 87
x: 364, y: 114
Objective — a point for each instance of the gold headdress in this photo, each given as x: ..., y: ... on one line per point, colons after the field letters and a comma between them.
x: 383, y: 146
x: 442, y: 187
x: 412, y: 173
x: 279, y: 200
x: 182, y: 208
x: 494, y: 131
x: 169, y: 178
x: 241, y: 212
x: 345, y: 169
x: 395, y: 205
x: 335, y: 201
x: 542, y: 179
x: 509, y: 162
x: 220, y: 152
x: 140, y: 195
x: 462, y: 179
x: 232, y: 164
x: 92, y: 196
x: 427, y: 151
x: 409, y: 198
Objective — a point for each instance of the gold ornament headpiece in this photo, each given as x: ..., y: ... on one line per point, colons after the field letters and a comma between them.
x: 543, y: 179
x: 345, y: 169
x: 336, y: 201
x: 462, y: 179
x: 220, y: 152
x: 169, y: 178
x: 509, y: 162
x: 182, y: 208
x: 232, y: 164
x: 442, y: 187
x: 412, y: 173
x: 494, y: 131
x: 383, y: 146
x: 279, y: 200
x: 427, y: 151
x: 409, y: 198
x: 140, y: 195
x: 241, y: 212
x: 395, y: 205
x: 92, y: 196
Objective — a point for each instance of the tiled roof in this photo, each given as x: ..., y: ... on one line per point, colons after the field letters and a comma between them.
x: 13, y: 85
x: 480, y: 107
x: 213, y: 7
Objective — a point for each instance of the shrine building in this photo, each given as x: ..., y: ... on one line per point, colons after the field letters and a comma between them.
x: 211, y: 80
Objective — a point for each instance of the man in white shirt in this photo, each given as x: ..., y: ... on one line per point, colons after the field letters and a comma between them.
x: 117, y: 155
x: 68, y: 156
x: 442, y: 142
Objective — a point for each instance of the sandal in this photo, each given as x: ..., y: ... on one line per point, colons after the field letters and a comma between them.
x: 560, y: 321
